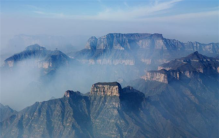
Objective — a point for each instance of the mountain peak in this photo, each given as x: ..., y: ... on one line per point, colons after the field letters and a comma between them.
x: 57, y: 55
x: 106, y: 89
x: 35, y: 47
x: 57, y: 52
x: 91, y: 43
x: 196, y: 52
x: 195, y: 56
x: 70, y: 93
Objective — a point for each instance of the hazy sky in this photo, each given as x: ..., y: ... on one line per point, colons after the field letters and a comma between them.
x: 185, y: 20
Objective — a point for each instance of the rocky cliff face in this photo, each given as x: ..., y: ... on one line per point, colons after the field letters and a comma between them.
x: 193, y: 65
x: 146, y: 48
x: 125, y: 49
x: 128, y: 41
x: 91, y: 43
x: 156, y: 76
x: 77, y: 115
x: 162, y: 76
x: 108, y: 62
x: 54, y: 60
x: 70, y: 93
x: 193, y: 62
x: 106, y: 89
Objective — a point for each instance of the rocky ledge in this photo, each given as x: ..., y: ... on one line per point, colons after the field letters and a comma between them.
x: 106, y: 89
x: 70, y: 93
x: 163, y: 76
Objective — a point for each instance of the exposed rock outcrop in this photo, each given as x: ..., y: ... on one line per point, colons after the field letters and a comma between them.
x: 54, y: 60
x: 70, y: 93
x: 136, y: 47
x: 186, y: 67
x: 106, y: 89
x: 193, y: 62
x: 161, y: 76
x: 91, y: 43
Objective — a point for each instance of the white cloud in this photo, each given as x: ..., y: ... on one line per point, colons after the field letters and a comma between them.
x: 129, y: 13
x: 39, y: 12
x: 56, y: 15
x: 186, y: 17
x: 135, y: 12
x: 140, y: 13
x: 32, y: 7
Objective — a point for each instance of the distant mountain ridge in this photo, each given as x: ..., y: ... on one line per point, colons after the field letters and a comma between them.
x: 126, y: 49
x: 129, y: 49
x: 146, y: 41
x: 178, y: 98
x: 32, y: 51
x: 43, y: 58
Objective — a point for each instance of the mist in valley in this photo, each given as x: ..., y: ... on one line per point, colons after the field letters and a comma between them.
x: 26, y: 83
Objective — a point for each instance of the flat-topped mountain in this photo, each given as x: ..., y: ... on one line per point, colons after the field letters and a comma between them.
x: 180, y: 99
x: 76, y: 115
x: 120, y: 41
x: 106, y: 89
x: 129, y: 49
x: 186, y: 67
x: 111, y: 111
x: 146, y: 41
x: 161, y: 75
x: 139, y: 51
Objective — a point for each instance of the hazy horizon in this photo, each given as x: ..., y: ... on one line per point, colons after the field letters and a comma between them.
x: 183, y: 20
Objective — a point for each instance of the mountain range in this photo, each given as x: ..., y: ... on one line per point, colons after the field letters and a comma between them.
x: 127, y: 49
x: 172, y: 90
x: 183, y: 107
x: 122, y: 53
x: 136, y: 48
